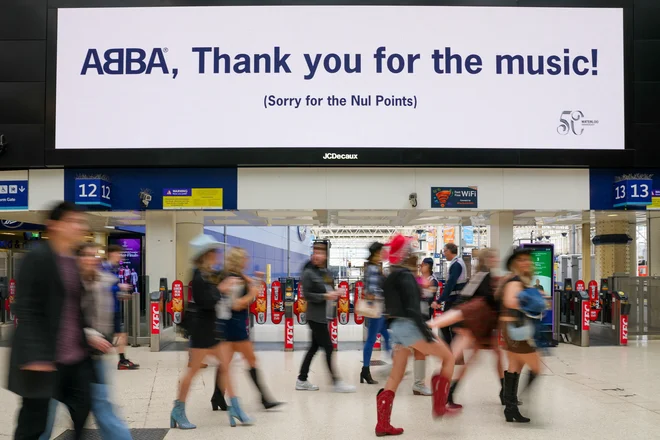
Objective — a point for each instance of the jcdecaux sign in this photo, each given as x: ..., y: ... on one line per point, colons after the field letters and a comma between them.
x: 334, y: 77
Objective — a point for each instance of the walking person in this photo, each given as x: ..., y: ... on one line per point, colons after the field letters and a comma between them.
x: 409, y: 330
x: 50, y: 356
x: 121, y: 291
x: 455, y: 282
x: 478, y: 314
x: 321, y: 299
x: 98, y: 308
x: 517, y: 331
x: 373, y: 288
x: 206, y: 287
x: 233, y: 326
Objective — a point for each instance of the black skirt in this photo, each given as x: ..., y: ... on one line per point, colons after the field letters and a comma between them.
x: 202, y: 330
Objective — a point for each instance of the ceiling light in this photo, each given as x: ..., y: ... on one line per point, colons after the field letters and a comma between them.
x: 109, y: 227
x: 612, y: 215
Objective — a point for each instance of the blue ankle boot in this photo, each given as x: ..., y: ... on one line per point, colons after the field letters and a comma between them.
x: 178, y: 416
x: 235, y: 412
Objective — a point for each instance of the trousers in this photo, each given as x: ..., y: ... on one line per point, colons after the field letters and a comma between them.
x: 376, y: 326
x: 111, y: 427
x: 320, y: 339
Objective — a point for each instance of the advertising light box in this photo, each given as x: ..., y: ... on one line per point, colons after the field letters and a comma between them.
x: 340, y: 77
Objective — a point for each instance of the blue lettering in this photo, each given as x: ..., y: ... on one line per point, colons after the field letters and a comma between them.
x: 135, y: 56
x: 92, y: 61
x: 125, y: 61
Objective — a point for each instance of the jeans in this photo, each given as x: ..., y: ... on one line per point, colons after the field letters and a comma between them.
x: 320, y: 339
x: 111, y: 427
x: 376, y: 326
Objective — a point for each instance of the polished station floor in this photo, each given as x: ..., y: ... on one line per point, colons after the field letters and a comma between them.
x: 586, y: 393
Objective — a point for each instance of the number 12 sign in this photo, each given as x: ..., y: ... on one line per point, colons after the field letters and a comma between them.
x: 96, y: 192
x: 634, y: 192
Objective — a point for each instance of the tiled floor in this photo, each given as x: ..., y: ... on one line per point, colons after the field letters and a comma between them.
x: 587, y: 393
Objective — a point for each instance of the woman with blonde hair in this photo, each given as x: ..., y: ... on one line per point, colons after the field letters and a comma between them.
x: 475, y: 318
x: 233, y: 329
x: 206, y: 287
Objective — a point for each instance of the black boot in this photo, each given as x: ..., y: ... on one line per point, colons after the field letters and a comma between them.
x: 502, y: 393
x: 511, y: 411
x: 450, y: 398
x: 218, y: 399
x: 365, y: 376
x: 266, y: 402
x: 532, y: 378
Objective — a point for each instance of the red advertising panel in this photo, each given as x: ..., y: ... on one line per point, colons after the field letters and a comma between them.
x: 357, y: 295
x: 333, y: 333
x: 276, y: 302
x: 579, y: 286
x: 288, y: 334
x: 176, y: 306
x: 190, y: 291
x: 155, y: 318
x: 11, y: 299
x: 259, y: 308
x: 623, y: 339
x: 593, y: 298
x: 343, y: 304
x: 586, y: 315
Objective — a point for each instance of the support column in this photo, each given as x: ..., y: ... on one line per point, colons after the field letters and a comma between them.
x: 612, y: 258
x: 653, y: 242
x: 160, y: 247
x: 101, y: 238
x: 632, y: 261
x: 586, y: 251
x: 501, y: 234
x: 185, y: 232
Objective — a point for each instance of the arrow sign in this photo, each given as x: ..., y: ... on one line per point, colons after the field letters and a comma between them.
x: 21, y: 189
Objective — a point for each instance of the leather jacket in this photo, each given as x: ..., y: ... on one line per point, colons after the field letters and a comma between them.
x: 402, y: 296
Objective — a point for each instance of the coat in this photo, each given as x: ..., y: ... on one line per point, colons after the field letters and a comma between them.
x: 38, y: 306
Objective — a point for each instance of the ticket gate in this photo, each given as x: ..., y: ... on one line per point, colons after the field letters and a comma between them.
x: 611, y: 327
x: 575, y: 314
x: 161, y: 328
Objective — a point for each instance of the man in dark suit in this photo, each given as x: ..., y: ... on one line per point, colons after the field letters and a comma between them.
x: 50, y: 356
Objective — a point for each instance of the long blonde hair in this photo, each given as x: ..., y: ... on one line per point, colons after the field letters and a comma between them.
x: 482, y: 258
x: 236, y: 260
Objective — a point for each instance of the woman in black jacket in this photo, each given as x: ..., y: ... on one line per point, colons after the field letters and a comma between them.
x: 206, y: 287
x: 408, y: 329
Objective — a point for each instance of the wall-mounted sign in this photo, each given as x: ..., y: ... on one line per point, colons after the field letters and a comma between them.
x: 13, y: 195
x: 397, y: 68
x: 93, y: 192
x: 634, y: 190
x: 450, y: 197
x: 192, y: 198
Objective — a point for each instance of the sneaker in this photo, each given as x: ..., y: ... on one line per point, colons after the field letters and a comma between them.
x: 127, y: 365
x: 341, y: 387
x: 305, y: 385
x: 419, y: 389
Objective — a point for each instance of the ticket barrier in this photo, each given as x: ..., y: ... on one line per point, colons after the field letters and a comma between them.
x: 575, y: 314
x: 162, y: 331
x: 612, y: 326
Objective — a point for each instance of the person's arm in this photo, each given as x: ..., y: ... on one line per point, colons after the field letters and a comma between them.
x: 511, y: 291
x: 310, y: 284
x: 454, y: 275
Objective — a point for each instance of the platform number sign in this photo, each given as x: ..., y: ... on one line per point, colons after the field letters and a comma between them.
x: 634, y: 192
x: 94, y: 192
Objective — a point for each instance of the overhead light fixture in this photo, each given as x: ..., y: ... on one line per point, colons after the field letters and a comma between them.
x: 109, y: 227
x: 612, y: 215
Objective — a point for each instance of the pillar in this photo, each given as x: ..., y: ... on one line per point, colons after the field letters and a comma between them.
x: 501, y: 234
x: 632, y: 261
x: 586, y: 251
x: 653, y: 242
x: 185, y: 232
x: 612, y: 258
x: 101, y: 238
x: 160, y: 247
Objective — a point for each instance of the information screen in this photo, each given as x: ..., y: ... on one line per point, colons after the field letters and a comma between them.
x: 340, y: 77
x: 543, y: 259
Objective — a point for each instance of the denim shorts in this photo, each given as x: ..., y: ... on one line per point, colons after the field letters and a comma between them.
x: 404, y: 332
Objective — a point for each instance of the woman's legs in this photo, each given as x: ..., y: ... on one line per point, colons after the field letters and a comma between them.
x: 385, y: 397
x: 197, y: 355
x: 227, y: 350
x: 226, y: 353
x: 440, y: 382
x: 246, y: 349
x: 462, y: 341
x: 511, y: 380
x: 399, y: 362
x: 110, y: 425
x: 447, y: 319
x: 375, y: 325
x: 385, y: 334
x: 419, y: 372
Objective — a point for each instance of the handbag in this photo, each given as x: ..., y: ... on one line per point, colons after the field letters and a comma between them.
x: 532, y: 303
x: 521, y: 331
x: 369, y: 308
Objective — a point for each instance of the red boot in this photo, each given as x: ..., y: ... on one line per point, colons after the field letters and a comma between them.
x: 440, y: 386
x: 384, y: 402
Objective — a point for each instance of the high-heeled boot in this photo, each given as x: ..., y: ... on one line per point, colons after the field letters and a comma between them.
x: 236, y: 413
x: 511, y: 411
x: 419, y: 371
x: 440, y: 386
x: 365, y: 376
x: 178, y: 417
x: 384, y: 403
x: 218, y: 398
x: 502, y: 393
x: 267, y: 402
x: 450, y: 397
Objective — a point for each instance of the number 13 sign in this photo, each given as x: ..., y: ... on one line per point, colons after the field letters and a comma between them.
x: 632, y: 192
x: 96, y: 192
